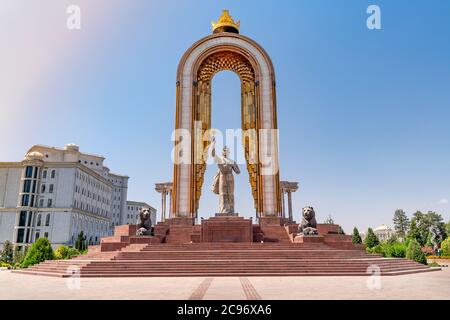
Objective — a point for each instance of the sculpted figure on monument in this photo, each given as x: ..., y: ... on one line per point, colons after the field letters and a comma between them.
x: 223, y: 183
x: 308, y: 226
x: 144, y: 224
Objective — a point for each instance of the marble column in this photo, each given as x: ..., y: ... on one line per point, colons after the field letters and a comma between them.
x: 165, y: 189
x: 287, y: 187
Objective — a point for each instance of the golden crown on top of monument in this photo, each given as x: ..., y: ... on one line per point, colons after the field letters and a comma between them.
x: 225, y: 24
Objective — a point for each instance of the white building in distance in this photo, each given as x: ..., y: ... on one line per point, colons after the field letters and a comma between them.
x: 383, y: 232
x: 56, y: 193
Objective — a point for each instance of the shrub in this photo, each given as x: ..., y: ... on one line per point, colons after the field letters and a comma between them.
x: 394, y: 250
x: 414, y: 252
x: 40, y: 251
x: 377, y: 249
x: 5, y: 265
x: 65, y: 252
x: 445, y: 246
x: 72, y: 253
x: 7, y: 254
x: 371, y: 239
x: 434, y: 264
x: 19, y: 255
x: 61, y: 252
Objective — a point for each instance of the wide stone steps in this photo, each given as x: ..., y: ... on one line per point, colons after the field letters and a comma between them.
x: 248, y: 269
x: 225, y: 259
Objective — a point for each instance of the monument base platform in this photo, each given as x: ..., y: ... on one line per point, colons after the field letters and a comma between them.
x: 227, y: 228
x: 228, y: 250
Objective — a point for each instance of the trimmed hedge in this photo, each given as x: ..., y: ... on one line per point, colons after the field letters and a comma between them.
x: 395, y: 250
x: 389, y: 250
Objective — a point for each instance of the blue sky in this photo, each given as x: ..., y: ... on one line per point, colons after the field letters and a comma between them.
x: 363, y: 114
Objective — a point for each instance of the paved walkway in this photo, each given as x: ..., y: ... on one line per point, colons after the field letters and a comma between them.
x: 433, y: 285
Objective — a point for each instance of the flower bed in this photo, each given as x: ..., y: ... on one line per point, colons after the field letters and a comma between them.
x: 438, y: 257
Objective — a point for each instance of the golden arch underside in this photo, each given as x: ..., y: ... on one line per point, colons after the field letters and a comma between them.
x: 226, y: 60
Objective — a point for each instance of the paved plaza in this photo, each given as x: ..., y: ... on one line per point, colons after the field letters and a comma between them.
x: 431, y: 285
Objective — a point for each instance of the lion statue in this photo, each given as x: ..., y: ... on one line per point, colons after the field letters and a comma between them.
x: 144, y: 224
x: 308, y: 226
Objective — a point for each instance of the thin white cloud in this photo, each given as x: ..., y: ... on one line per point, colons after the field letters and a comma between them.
x: 443, y: 201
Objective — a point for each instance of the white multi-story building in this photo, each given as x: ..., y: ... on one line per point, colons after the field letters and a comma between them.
x: 57, y: 193
x: 133, y: 209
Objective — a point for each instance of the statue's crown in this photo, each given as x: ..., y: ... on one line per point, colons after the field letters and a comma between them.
x: 225, y: 23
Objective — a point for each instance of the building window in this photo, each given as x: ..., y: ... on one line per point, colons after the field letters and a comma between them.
x: 47, y: 220
x: 53, y: 174
x: 50, y: 188
x: 27, y: 186
x: 38, y: 234
x: 39, y: 220
x: 43, y: 188
x: 41, y: 203
x: 29, y: 172
x: 49, y: 203
x: 25, y: 199
x: 20, y: 235
x: 44, y: 174
x: 30, y: 217
x: 27, y: 238
x: 22, y: 218
x: 46, y: 235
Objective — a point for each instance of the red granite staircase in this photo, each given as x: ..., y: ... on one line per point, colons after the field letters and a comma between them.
x: 227, y: 259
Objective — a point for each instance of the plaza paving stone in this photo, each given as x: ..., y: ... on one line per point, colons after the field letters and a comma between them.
x: 432, y: 285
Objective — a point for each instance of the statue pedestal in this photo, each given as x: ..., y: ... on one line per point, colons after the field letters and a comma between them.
x: 227, y: 214
x: 227, y: 229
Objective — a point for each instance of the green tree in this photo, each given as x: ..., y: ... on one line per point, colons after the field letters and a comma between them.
x: 80, y: 243
x: 414, y: 252
x: 413, y: 232
x: 40, y: 251
x: 7, y: 254
x: 422, y: 224
x: 371, y: 239
x: 356, y: 237
x: 401, y: 223
x: 447, y: 229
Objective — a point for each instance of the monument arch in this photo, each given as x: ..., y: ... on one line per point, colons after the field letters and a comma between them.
x: 226, y: 49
